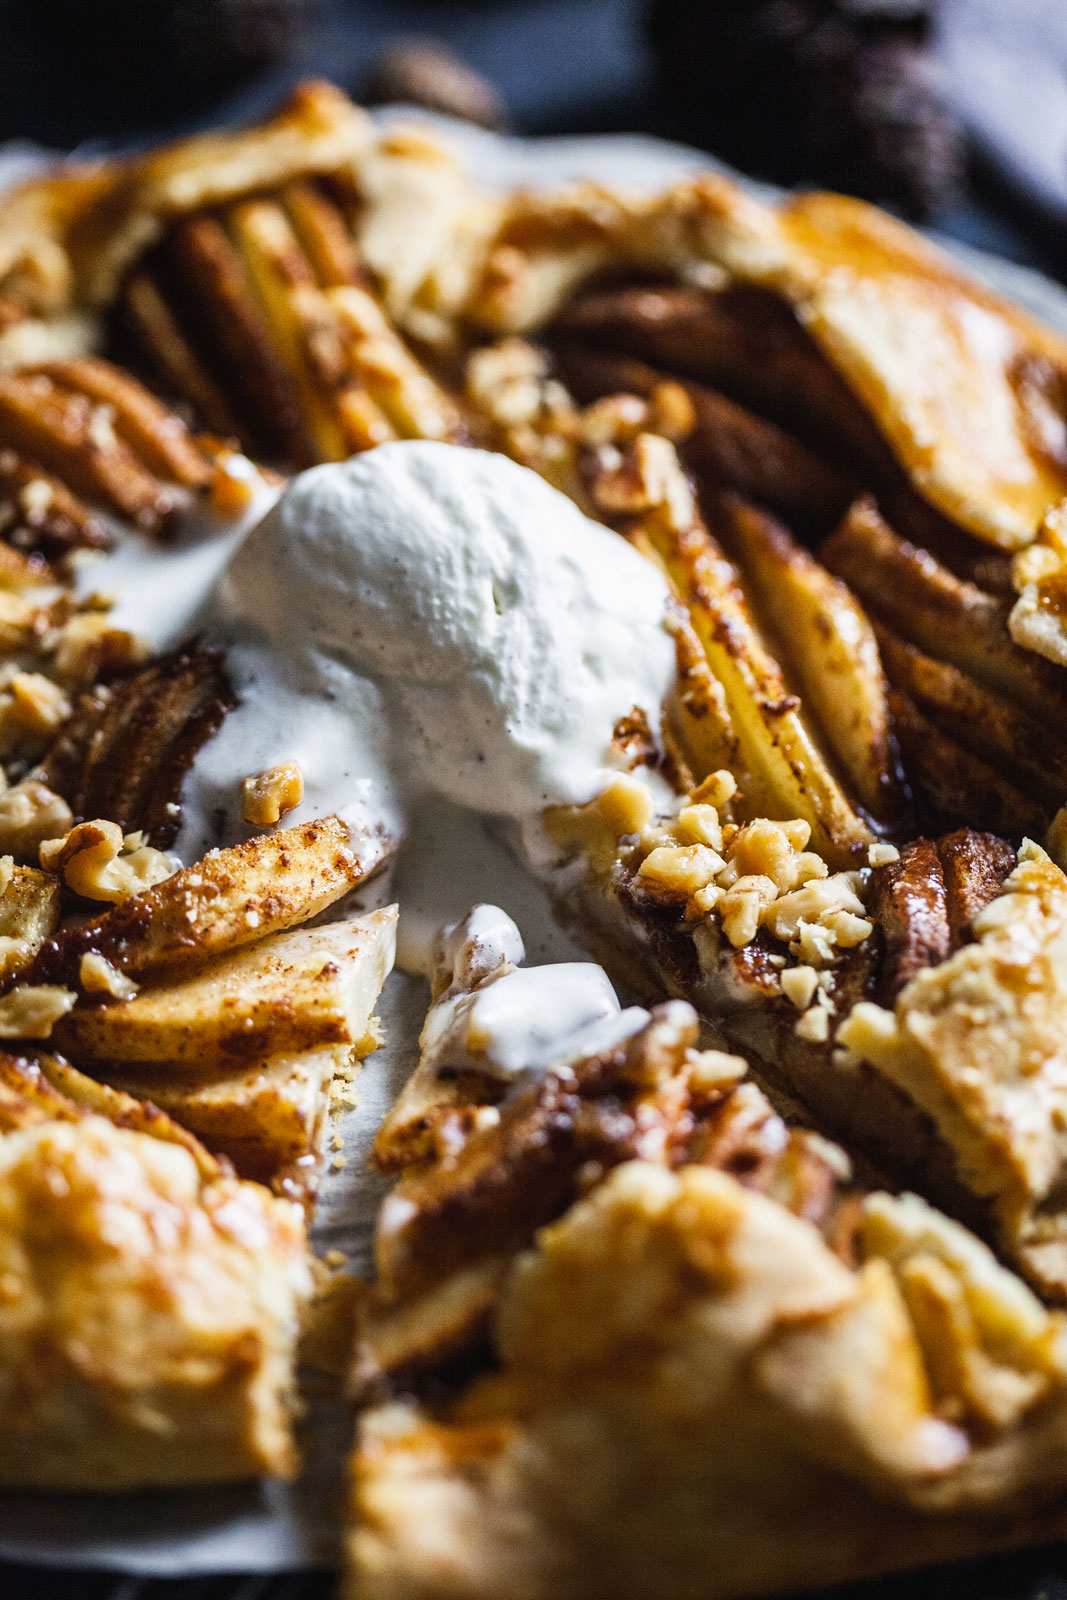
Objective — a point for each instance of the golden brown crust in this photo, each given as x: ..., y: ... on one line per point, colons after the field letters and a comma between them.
x: 686, y: 1349
x: 155, y: 1353
x: 317, y: 130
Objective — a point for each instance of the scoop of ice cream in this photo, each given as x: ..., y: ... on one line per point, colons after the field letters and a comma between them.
x: 432, y: 619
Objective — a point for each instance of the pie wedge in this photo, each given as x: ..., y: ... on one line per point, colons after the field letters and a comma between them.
x: 152, y: 1301
x: 631, y: 1329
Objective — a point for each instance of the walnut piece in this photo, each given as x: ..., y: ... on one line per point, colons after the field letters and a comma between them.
x: 31, y: 1011
x: 98, y: 863
x: 98, y: 976
x: 31, y: 812
x: 267, y: 796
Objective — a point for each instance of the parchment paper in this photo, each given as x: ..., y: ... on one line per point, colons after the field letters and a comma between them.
x: 274, y: 1527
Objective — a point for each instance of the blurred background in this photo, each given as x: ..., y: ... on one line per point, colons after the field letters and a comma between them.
x: 953, y: 112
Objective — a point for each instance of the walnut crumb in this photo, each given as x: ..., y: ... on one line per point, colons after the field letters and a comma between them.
x: 30, y: 812
x: 233, y: 485
x: 90, y: 646
x: 31, y: 1011
x: 798, y: 985
x: 37, y: 706
x: 814, y: 1025
x: 268, y: 795
x: 98, y: 976
x: 97, y: 862
x: 714, y: 1070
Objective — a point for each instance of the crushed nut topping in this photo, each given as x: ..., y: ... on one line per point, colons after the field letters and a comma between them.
x: 798, y: 985
x: 626, y: 804
x: 30, y: 812
x: 814, y: 1025
x: 755, y: 875
x: 99, y: 864
x: 31, y: 1011
x: 646, y: 475
x: 674, y: 872
x: 32, y: 708
x: 267, y: 796
x: 98, y: 976
x: 233, y: 484
x: 89, y: 646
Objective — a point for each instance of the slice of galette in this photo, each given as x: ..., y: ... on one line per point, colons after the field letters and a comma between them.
x: 632, y: 1333
x: 150, y: 1301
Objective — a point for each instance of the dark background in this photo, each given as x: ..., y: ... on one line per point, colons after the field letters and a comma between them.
x: 71, y: 76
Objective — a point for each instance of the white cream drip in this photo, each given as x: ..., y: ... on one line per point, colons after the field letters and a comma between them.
x: 505, y: 1020
x: 439, y: 639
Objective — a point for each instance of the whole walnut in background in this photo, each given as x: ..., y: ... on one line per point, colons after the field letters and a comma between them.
x: 843, y: 93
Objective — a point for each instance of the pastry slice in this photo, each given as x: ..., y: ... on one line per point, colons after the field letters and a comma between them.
x: 152, y: 1301
x: 200, y: 991
x: 973, y: 416
x: 696, y: 1353
x: 245, y: 1051
x: 909, y: 1008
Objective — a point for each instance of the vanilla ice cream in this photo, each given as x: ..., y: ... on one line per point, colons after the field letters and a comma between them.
x: 427, y: 619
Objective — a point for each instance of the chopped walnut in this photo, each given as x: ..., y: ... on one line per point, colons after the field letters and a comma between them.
x: 510, y: 382
x: 718, y: 789
x: 712, y: 1071
x: 814, y: 1025
x: 233, y: 484
x: 674, y: 872
x: 766, y: 848
x: 648, y: 475
x: 90, y: 646
x: 671, y: 411
x: 882, y: 855
x: 815, y: 902
x: 32, y: 1011
x: 615, y: 419
x: 751, y: 875
x: 743, y: 905
x: 101, y: 430
x: 813, y: 944
x: 99, y: 864
x: 97, y: 976
x: 626, y: 804
x: 699, y: 824
x: 798, y: 985
x: 30, y: 812
x: 268, y: 795
x: 846, y: 928
x: 32, y: 708
x: 35, y: 497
